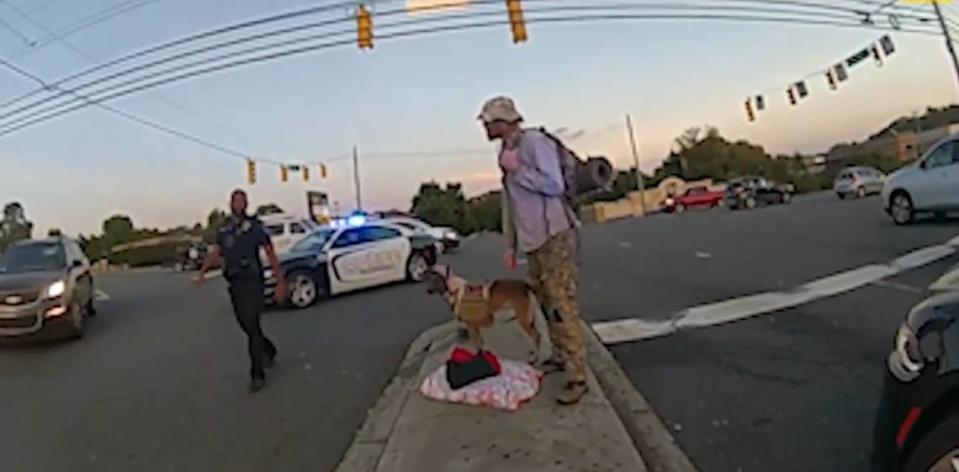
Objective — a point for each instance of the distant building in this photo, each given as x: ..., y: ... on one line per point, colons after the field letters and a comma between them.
x: 904, y: 145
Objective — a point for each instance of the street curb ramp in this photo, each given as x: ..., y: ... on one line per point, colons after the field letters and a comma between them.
x: 655, y: 444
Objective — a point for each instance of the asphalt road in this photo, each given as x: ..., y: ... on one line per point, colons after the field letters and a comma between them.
x: 794, y: 390
x: 159, y: 382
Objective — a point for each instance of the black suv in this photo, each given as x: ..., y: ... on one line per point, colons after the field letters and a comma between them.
x: 917, y: 424
x: 45, y: 283
x: 750, y: 192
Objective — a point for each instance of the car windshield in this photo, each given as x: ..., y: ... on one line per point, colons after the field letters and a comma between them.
x: 32, y: 257
x: 314, y: 242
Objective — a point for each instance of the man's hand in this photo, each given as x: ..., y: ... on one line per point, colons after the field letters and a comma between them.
x: 200, y: 280
x: 281, y: 291
x: 509, y: 257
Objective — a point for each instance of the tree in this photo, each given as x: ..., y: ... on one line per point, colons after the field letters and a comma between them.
x: 442, y: 206
x: 14, y: 226
x: 486, y: 211
x: 214, y: 221
x: 118, y: 229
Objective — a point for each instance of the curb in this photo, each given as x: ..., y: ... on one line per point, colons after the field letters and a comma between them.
x: 656, y: 445
x: 364, y: 452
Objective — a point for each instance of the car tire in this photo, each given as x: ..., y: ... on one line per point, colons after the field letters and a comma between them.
x: 842, y: 196
x: 76, y: 324
x: 304, y: 289
x: 861, y: 192
x: 751, y: 202
x: 680, y: 208
x: 937, y: 448
x: 901, y: 209
x: 90, y: 309
x: 416, y: 267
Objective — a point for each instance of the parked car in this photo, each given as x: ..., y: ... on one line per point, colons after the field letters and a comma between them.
x: 45, y: 283
x: 750, y: 192
x: 917, y: 423
x: 859, y: 182
x: 285, y: 229
x: 449, y: 238
x: 929, y: 186
x: 331, y: 261
x: 694, y: 197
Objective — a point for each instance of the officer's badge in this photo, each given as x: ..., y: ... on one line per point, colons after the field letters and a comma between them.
x: 245, y: 226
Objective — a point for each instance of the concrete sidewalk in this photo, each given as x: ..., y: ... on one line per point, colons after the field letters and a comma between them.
x: 407, y: 432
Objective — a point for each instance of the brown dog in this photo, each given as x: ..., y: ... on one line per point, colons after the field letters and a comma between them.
x: 476, y: 304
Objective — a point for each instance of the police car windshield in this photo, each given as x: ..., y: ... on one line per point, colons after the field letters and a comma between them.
x: 32, y: 257
x: 314, y: 242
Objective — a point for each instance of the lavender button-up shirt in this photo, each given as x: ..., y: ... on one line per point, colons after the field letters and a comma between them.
x: 534, y: 206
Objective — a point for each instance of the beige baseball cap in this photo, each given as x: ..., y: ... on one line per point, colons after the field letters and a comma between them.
x: 500, y: 109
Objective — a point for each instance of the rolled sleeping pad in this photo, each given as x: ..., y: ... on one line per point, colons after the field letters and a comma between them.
x: 594, y: 174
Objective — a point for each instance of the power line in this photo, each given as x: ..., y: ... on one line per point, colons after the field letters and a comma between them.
x: 17, y: 125
x: 148, y: 123
x: 16, y: 32
x: 835, y: 21
x: 179, y: 42
x: 769, y: 7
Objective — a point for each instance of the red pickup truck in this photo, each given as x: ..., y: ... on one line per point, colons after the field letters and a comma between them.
x: 694, y: 197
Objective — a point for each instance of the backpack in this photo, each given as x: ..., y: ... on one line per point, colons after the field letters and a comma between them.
x: 567, y: 164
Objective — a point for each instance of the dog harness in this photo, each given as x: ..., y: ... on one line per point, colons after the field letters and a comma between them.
x: 470, y: 303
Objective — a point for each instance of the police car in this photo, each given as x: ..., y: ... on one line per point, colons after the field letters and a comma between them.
x: 350, y: 256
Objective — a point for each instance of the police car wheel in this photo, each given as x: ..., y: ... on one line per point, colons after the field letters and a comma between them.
x: 304, y: 290
x: 416, y: 267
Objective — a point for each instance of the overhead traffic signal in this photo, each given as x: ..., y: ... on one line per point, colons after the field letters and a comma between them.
x: 306, y: 173
x: 284, y: 174
x: 750, y: 114
x: 516, y: 22
x: 322, y: 171
x: 250, y: 171
x: 364, y: 27
x: 791, y: 95
x: 831, y: 79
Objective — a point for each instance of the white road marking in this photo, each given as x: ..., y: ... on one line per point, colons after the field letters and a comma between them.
x: 735, y: 309
x: 954, y: 242
x: 100, y: 295
x: 898, y: 286
x: 704, y: 255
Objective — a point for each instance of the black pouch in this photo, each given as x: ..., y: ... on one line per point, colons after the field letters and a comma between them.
x: 461, y: 374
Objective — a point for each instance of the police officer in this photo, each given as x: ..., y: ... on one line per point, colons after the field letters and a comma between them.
x: 239, y: 242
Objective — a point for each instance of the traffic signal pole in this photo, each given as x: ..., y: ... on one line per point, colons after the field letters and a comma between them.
x: 640, y: 185
x: 356, y: 178
x: 945, y: 31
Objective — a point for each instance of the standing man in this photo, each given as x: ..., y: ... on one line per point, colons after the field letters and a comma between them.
x: 538, y: 220
x: 239, y: 242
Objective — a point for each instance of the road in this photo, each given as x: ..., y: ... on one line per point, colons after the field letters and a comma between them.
x: 159, y: 382
x: 794, y: 390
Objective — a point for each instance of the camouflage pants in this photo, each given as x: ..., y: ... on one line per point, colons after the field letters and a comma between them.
x: 552, y: 274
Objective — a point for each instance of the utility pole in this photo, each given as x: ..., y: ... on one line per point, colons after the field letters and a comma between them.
x: 945, y: 31
x: 356, y: 178
x: 640, y: 186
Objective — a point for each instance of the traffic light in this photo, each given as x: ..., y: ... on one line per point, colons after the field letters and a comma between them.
x: 284, y: 174
x: 791, y: 95
x: 516, y: 22
x: 364, y: 27
x: 250, y: 171
x: 831, y: 79
x: 306, y: 173
x: 322, y: 171
x: 876, y: 54
x: 750, y: 114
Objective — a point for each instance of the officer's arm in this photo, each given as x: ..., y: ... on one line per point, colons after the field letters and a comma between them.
x: 211, y: 258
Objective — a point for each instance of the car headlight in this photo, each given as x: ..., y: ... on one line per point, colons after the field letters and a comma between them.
x: 56, y: 289
x: 451, y: 235
x: 670, y: 201
x: 907, y: 347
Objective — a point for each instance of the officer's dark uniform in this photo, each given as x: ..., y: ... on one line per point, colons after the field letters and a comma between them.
x: 240, y: 240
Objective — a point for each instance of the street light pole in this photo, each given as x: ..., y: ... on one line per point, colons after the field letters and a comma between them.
x: 945, y: 31
x: 356, y: 178
x: 640, y: 186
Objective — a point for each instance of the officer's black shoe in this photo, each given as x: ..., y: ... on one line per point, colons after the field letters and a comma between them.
x: 257, y: 384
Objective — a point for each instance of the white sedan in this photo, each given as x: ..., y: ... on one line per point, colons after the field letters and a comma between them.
x: 929, y: 186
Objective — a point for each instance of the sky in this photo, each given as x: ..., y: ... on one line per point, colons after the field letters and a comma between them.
x: 421, y: 96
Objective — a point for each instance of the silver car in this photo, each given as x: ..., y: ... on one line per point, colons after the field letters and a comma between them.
x: 859, y: 181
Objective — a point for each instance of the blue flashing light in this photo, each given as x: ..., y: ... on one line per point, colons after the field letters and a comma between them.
x: 356, y: 220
